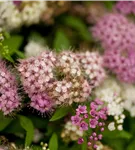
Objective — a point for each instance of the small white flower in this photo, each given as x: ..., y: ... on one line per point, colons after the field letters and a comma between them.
x: 120, y: 127
x: 111, y: 126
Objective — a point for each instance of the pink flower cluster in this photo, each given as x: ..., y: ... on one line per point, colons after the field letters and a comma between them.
x: 60, y: 79
x: 122, y: 63
x: 115, y: 32
x: 126, y: 7
x: 92, y: 65
x: 9, y: 98
x: 36, y: 74
x: 93, y: 119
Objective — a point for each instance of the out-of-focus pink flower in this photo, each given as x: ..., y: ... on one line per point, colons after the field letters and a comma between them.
x: 125, y: 7
x: 115, y: 32
x: 122, y: 63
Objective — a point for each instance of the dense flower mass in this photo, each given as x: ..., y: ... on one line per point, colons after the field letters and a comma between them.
x: 15, y: 14
x: 122, y: 63
x: 115, y: 32
x: 71, y: 132
x: 110, y: 93
x: 126, y: 7
x: 128, y: 95
x: 9, y: 98
x: 94, y: 119
x: 59, y: 76
x: 92, y: 65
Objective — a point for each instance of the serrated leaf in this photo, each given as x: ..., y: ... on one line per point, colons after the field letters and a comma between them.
x: 61, y: 41
x: 59, y: 113
x: 27, y: 124
x: 53, y: 143
x: 77, y: 24
x: 4, y: 122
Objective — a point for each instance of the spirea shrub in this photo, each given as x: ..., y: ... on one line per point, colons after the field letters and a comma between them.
x: 67, y: 75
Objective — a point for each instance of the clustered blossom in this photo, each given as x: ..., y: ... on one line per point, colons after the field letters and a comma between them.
x: 36, y: 73
x: 128, y: 95
x: 92, y: 65
x: 122, y: 63
x: 71, y: 132
x: 13, y: 15
x: 9, y: 98
x: 94, y: 119
x: 33, y: 49
x: 110, y: 93
x: 115, y: 32
x: 125, y: 7
x: 53, y: 79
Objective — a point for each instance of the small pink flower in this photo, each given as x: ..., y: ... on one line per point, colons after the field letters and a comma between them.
x: 76, y: 120
x: 93, y: 105
x: 93, y: 123
x: 98, y: 101
x: 82, y: 109
x: 80, y: 140
x: 93, y: 113
x: 83, y: 126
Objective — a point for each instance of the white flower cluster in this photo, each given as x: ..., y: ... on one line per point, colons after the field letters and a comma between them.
x: 110, y: 92
x: 26, y: 13
x: 33, y: 49
x: 71, y: 132
x: 128, y: 94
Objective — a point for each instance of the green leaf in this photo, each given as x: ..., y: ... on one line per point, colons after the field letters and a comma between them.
x: 13, y: 43
x: 84, y: 145
x: 53, y: 143
x: 61, y: 41
x: 109, y: 4
x: 77, y: 24
x: 59, y: 113
x: 117, y: 134
x: 27, y: 124
x: 116, y: 144
x: 4, y: 122
x: 131, y: 146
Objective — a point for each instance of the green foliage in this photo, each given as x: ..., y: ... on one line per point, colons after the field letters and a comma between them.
x: 109, y: 4
x: 78, y: 25
x: 13, y: 43
x: 27, y: 124
x: 10, y: 46
x: 53, y: 143
x: 84, y: 145
x: 116, y: 134
x: 131, y: 146
x: 59, y: 113
x: 4, y: 122
x: 61, y: 41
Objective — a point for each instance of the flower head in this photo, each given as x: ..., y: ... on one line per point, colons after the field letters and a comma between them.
x: 115, y: 32
x: 9, y: 98
x: 122, y: 63
x: 125, y: 7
